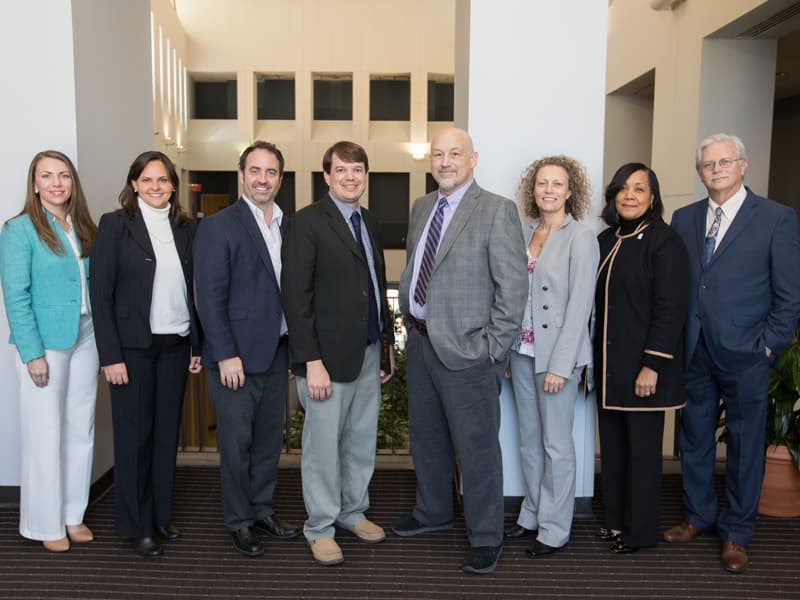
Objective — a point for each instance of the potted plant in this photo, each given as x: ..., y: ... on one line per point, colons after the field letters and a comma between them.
x: 780, y: 493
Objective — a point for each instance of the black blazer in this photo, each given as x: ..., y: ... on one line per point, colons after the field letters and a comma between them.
x: 238, y: 297
x: 641, y: 305
x: 325, y: 293
x: 122, y: 267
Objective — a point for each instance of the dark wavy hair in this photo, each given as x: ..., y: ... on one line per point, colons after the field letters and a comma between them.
x: 261, y: 145
x: 128, y: 198
x: 347, y: 152
x: 77, y: 207
x: 656, y: 210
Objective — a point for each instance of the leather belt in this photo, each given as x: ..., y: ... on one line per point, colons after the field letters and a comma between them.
x: 419, y: 326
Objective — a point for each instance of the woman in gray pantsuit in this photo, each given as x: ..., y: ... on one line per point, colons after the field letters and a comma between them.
x: 553, y: 346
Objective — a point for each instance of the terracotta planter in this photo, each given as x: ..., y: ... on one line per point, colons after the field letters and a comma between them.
x: 780, y: 492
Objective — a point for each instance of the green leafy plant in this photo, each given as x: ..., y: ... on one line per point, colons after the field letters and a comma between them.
x: 783, y: 410
x: 392, y: 418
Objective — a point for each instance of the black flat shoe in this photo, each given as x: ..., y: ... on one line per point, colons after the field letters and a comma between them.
x: 274, y: 527
x: 247, y: 542
x: 147, y: 547
x: 620, y: 547
x: 517, y: 531
x: 606, y: 535
x: 537, y: 549
x: 170, y: 533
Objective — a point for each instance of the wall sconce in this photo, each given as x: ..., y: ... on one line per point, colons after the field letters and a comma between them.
x: 418, y: 151
x: 180, y: 148
x: 168, y: 141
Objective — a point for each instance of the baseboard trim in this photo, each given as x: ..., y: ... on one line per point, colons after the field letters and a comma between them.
x: 9, y: 494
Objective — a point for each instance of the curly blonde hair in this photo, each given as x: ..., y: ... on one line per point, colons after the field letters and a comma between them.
x: 580, y: 199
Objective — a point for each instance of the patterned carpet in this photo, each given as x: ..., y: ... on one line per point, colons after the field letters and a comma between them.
x: 203, y: 564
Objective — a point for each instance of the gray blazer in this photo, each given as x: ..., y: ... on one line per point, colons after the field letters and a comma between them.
x: 477, y: 289
x: 562, y: 292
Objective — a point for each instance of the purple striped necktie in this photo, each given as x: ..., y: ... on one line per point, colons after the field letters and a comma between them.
x: 428, y: 257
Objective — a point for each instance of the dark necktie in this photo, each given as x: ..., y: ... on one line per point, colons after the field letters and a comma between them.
x: 429, y: 255
x: 373, y: 327
x: 711, y: 238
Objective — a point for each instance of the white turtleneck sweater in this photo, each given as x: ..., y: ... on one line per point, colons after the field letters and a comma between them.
x: 169, y: 306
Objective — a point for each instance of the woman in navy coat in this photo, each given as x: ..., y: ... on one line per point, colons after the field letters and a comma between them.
x: 148, y: 339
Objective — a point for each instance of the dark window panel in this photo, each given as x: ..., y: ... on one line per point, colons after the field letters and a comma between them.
x: 440, y: 101
x: 214, y: 100
x: 430, y: 184
x: 389, y: 100
x: 318, y: 186
x: 333, y: 100
x: 286, y: 195
x: 275, y: 99
x: 388, y: 202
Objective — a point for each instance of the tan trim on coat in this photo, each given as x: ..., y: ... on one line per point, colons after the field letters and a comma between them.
x: 656, y: 353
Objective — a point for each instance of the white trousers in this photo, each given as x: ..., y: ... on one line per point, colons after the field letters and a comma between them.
x: 57, y: 439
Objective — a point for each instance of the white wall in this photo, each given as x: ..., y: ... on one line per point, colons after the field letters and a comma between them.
x: 38, y: 113
x: 72, y: 86
x: 531, y: 92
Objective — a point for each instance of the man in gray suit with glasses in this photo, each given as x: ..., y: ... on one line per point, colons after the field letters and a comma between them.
x: 462, y: 295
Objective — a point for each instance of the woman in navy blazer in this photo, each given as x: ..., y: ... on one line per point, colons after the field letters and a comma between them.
x: 44, y: 269
x: 553, y: 346
x: 147, y: 336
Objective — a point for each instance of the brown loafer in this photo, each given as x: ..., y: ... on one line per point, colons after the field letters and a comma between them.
x: 683, y: 532
x: 61, y: 545
x: 734, y: 557
x: 79, y: 533
x: 368, y: 532
x: 326, y: 551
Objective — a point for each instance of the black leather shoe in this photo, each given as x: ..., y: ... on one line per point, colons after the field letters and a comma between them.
x: 606, y: 535
x: 537, y: 549
x: 482, y: 559
x: 170, y: 533
x: 147, y: 547
x: 246, y: 542
x: 517, y: 531
x: 620, y: 547
x: 273, y: 527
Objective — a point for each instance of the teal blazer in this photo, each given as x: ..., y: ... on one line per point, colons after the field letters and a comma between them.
x: 41, y: 289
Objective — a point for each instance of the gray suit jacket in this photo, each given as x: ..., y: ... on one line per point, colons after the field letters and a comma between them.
x: 562, y: 288
x: 477, y: 290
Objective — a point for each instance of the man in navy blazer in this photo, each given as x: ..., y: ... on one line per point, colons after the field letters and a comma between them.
x: 744, y: 304
x: 237, y: 258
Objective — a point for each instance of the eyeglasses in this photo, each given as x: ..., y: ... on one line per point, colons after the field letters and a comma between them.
x: 723, y: 163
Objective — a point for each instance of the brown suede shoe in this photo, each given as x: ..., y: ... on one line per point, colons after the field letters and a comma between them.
x: 326, y: 551
x: 734, y: 557
x: 683, y: 532
x: 79, y: 533
x: 369, y: 532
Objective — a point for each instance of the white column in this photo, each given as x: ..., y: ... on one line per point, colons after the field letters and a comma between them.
x: 530, y: 81
x: 80, y: 82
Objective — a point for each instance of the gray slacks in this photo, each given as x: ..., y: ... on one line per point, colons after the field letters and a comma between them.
x: 339, y: 437
x: 456, y: 414
x: 547, y: 451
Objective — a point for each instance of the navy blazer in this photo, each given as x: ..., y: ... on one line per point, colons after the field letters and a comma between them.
x: 748, y: 297
x: 237, y: 293
x: 122, y: 270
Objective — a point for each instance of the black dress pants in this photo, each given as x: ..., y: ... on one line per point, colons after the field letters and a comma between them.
x: 630, y: 463
x: 146, y: 416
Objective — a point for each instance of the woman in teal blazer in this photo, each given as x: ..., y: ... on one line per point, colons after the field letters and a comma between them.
x: 44, y: 274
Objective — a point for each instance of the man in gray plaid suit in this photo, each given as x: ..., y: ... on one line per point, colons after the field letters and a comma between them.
x: 462, y: 295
